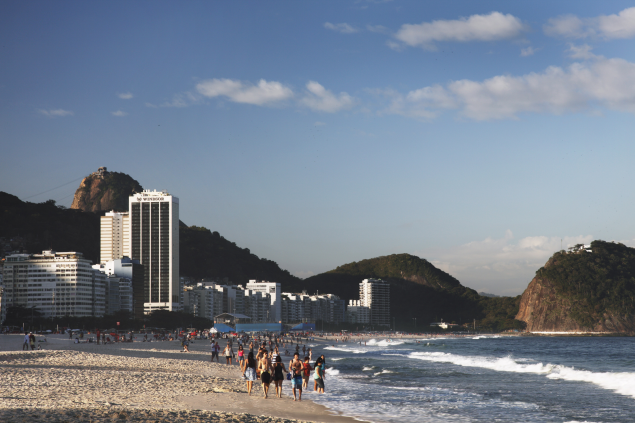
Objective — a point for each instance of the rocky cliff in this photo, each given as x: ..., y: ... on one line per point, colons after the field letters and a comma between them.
x: 105, y: 191
x: 584, y: 290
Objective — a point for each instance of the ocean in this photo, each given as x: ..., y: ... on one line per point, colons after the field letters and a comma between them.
x: 482, y: 379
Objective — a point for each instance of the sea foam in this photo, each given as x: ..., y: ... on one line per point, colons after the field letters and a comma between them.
x: 621, y: 383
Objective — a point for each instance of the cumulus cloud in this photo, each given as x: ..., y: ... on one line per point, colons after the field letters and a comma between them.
x: 344, y: 28
x: 378, y: 28
x: 596, y: 83
x: 500, y: 265
x: 492, y: 27
x: 266, y: 92
x: 125, y: 96
x: 621, y: 25
x: 56, y: 112
x: 119, y: 113
x: 319, y: 98
x: 529, y: 51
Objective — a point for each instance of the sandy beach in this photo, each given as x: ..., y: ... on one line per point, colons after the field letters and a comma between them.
x: 139, y: 381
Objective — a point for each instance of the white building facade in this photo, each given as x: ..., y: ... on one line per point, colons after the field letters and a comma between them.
x: 56, y: 284
x: 375, y: 294
x: 114, y: 236
x: 154, y: 241
x: 275, y: 294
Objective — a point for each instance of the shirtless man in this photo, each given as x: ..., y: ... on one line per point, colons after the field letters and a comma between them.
x: 296, y: 367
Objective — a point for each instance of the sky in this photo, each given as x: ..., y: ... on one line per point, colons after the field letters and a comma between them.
x: 481, y: 136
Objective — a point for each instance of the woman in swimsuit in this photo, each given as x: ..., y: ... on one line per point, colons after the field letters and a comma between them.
x: 241, y: 355
x: 264, y: 367
x: 249, y: 371
x: 278, y: 375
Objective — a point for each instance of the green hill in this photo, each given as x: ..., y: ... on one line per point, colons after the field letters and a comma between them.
x: 207, y: 254
x: 418, y: 290
x: 47, y: 226
x: 581, y: 290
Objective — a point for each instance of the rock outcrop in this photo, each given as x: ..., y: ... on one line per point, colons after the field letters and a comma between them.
x: 582, y: 292
x: 105, y: 191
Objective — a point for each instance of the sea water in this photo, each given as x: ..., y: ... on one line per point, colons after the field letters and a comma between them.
x: 482, y: 379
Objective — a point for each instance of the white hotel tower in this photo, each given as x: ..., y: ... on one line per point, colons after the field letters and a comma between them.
x: 154, y: 241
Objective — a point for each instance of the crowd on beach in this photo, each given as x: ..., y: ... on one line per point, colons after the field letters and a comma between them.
x: 266, y: 363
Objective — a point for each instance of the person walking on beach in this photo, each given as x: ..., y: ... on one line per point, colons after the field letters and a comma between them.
x: 264, y: 368
x: 215, y: 350
x: 278, y: 375
x: 306, y: 373
x: 32, y: 340
x: 296, y: 367
x: 249, y: 371
x: 318, y: 376
x: 27, y: 341
x: 229, y: 353
x: 241, y: 355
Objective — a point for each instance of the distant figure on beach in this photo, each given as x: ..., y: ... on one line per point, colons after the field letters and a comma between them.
x: 249, y: 371
x: 27, y: 341
x: 264, y: 368
x: 278, y: 375
x: 306, y: 373
x: 229, y: 353
x: 185, y: 344
x: 241, y: 355
x: 215, y: 351
x: 296, y: 367
x: 318, y: 376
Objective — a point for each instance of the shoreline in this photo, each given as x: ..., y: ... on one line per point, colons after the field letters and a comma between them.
x: 142, y: 381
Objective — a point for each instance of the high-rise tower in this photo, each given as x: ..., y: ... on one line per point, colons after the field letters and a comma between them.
x: 154, y: 241
x: 114, y: 236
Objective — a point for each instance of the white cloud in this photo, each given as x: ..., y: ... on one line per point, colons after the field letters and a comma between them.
x: 344, y: 28
x: 581, y: 52
x: 500, y: 265
x: 608, y: 27
x: 597, y: 83
x: 119, y: 113
x: 318, y: 123
x: 492, y: 27
x: 263, y: 93
x: 125, y: 96
x: 320, y: 99
x: 529, y: 51
x: 56, y: 112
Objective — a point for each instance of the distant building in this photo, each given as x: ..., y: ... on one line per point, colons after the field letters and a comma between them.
x: 154, y: 241
x: 297, y: 308
x: 357, y: 313
x: 375, y: 294
x: 56, y: 284
x: 274, y: 291
x: 114, y: 237
x: 201, y: 300
x: 125, y: 289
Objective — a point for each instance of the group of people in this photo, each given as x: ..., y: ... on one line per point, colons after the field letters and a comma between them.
x: 267, y: 366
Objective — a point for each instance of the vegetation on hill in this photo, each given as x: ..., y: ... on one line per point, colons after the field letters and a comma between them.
x: 206, y: 254
x: 418, y: 291
x: 595, y: 283
x: 48, y: 226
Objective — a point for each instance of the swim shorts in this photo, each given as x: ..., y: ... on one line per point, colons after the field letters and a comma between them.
x: 265, y: 377
x: 296, y: 382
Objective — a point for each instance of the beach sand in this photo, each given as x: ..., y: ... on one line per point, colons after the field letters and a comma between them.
x: 139, y: 381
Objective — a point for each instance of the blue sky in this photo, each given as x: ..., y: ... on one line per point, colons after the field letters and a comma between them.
x: 474, y: 134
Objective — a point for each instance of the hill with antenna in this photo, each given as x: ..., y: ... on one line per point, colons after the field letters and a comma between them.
x: 104, y: 191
